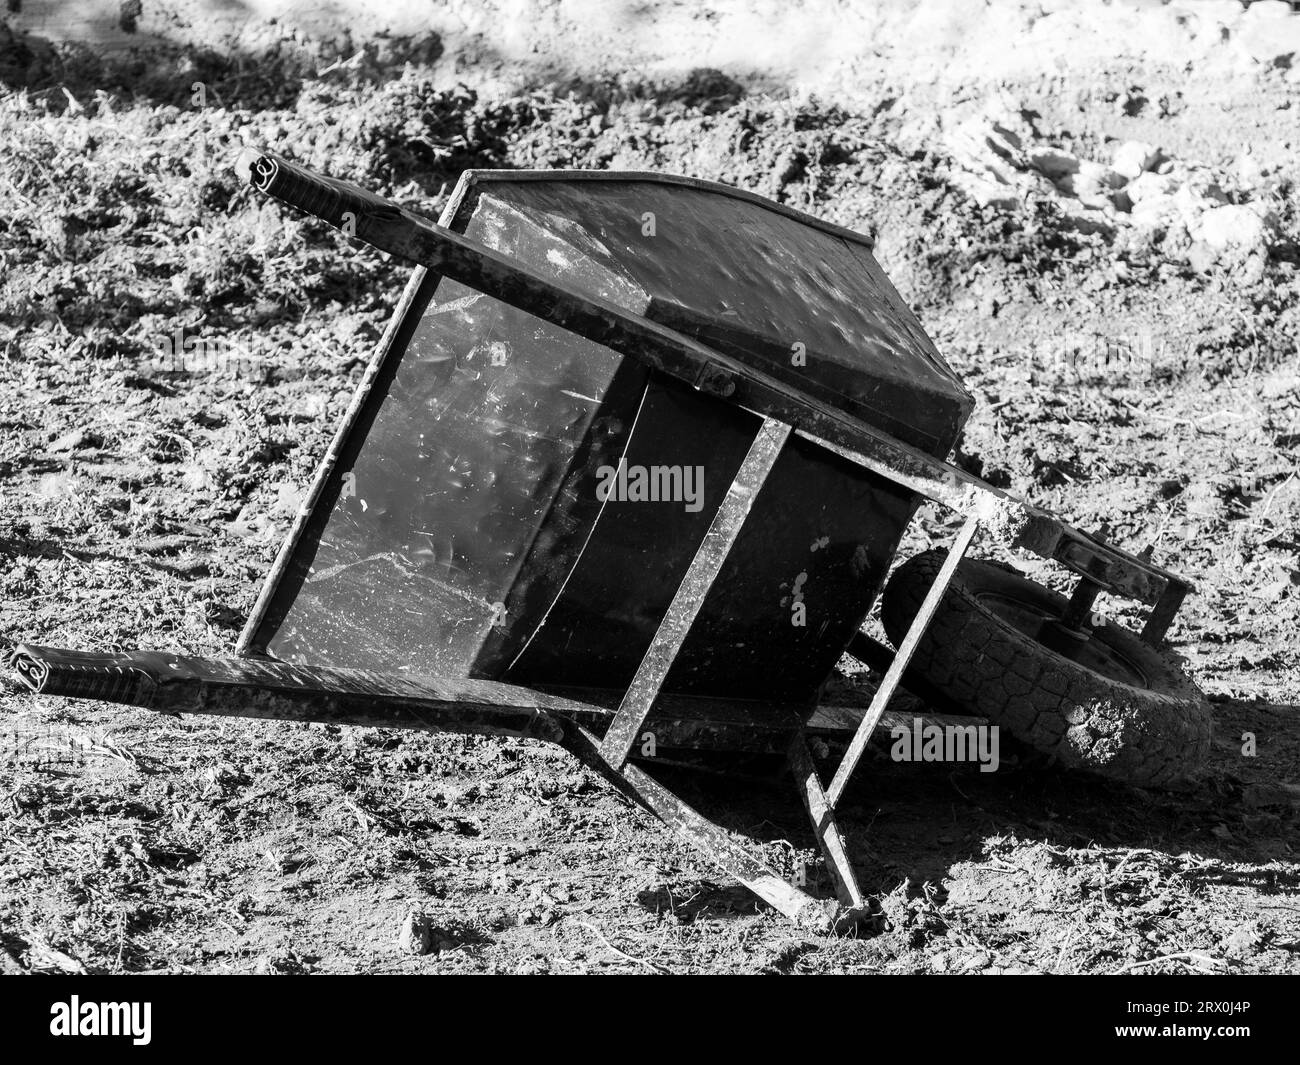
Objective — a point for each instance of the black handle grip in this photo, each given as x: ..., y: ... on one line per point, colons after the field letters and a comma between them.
x: 81, y: 675
x: 340, y: 203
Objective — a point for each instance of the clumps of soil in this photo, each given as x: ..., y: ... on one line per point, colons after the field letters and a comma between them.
x: 1142, y: 196
x: 1104, y: 911
x: 1123, y: 380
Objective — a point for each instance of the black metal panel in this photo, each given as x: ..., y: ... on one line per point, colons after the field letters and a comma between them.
x: 490, y: 413
x: 747, y: 280
x: 821, y: 534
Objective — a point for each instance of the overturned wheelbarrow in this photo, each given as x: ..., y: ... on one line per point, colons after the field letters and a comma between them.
x: 627, y: 472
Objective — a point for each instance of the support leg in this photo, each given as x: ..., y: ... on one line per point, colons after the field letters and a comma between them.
x: 889, y: 683
x: 821, y: 916
x: 828, y: 834
x: 703, y: 571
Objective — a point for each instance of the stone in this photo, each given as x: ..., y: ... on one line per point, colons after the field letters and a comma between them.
x: 74, y: 440
x: 1267, y: 10
x: 1233, y: 228
x: 987, y: 193
x: 1092, y: 183
x: 1192, y: 203
x: 1270, y: 40
x: 985, y: 149
x: 1134, y: 157
x: 1149, y: 186
x: 1054, y: 162
x: 416, y: 936
x: 1155, y: 211
x: 1084, y: 219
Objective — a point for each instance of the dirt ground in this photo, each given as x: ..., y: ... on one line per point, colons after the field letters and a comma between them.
x: 1135, y: 353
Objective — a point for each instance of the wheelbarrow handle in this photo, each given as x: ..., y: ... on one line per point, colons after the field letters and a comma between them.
x: 340, y: 203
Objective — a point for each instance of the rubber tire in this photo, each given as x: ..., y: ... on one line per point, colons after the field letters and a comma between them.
x: 1152, y: 733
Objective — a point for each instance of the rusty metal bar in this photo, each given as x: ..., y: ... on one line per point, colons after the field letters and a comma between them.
x: 703, y: 571
x: 263, y: 688
x: 268, y: 689
x: 1019, y: 524
x: 398, y: 232
x: 889, y: 683
x: 1069, y: 634
x: 822, y: 815
x: 1162, y: 614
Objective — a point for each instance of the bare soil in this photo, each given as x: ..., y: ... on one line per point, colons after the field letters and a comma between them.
x: 1139, y: 379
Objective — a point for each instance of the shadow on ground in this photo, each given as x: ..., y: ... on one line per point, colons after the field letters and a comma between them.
x: 913, y: 824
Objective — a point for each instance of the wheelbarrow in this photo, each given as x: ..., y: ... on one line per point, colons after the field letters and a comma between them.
x: 627, y: 472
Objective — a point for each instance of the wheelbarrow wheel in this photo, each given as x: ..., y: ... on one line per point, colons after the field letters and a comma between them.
x: 1121, y: 709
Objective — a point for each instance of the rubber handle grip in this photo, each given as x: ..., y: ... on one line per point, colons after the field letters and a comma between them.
x: 336, y: 202
x: 81, y: 675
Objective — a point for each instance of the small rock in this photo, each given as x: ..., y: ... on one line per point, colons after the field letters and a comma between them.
x: 1148, y: 186
x: 1197, y: 195
x: 1085, y: 219
x: 416, y: 936
x: 1248, y: 171
x: 72, y: 441
x: 1234, y: 229
x: 1154, y: 212
x: 1092, y: 183
x: 1261, y: 10
x: 1134, y: 157
x: 1243, y: 942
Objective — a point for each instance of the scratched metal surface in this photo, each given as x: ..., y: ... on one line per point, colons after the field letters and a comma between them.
x: 479, y: 433
x: 753, y: 283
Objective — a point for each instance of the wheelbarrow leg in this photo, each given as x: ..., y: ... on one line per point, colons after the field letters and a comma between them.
x: 889, y: 682
x: 822, y: 815
x: 821, y: 916
x: 703, y: 571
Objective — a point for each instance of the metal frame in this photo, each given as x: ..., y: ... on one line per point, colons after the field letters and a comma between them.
x: 601, y: 738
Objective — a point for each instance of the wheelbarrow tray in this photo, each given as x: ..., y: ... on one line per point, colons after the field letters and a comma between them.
x: 462, y: 532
